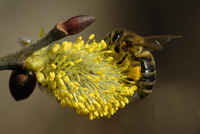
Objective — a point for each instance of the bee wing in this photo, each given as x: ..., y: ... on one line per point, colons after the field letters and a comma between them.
x: 157, y: 42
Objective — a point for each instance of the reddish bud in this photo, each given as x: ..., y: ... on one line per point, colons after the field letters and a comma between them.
x: 78, y: 23
x: 21, y: 84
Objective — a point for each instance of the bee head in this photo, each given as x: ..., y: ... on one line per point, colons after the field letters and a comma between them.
x: 130, y: 42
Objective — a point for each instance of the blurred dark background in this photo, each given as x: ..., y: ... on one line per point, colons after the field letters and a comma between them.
x: 173, y: 107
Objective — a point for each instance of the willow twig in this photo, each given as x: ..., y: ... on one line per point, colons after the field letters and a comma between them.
x: 72, y: 26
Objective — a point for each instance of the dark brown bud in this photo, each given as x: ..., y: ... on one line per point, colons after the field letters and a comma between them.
x: 21, y: 84
x: 78, y: 23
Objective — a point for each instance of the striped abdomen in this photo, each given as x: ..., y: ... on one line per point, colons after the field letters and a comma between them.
x: 148, y: 74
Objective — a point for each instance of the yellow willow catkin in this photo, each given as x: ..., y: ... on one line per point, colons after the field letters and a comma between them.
x: 81, y: 76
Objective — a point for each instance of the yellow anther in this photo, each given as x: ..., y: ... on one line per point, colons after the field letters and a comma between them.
x: 73, y: 51
x: 86, y: 46
x: 75, y: 88
x: 78, y: 47
x: 96, y: 113
x: 124, y: 77
x: 40, y: 77
x: 100, y: 100
x: 109, y: 59
x: 66, y: 79
x: 113, y: 88
x: 64, y: 45
x: 79, y: 38
x: 91, y: 37
x: 53, y: 66
x: 90, y: 50
x: 76, y: 83
x: 79, y: 60
x: 64, y: 57
x: 80, y: 105
x: 113, y: 78
x: 108, y: 51
x: 116, y: 103
x: 71, y: 63
x: 92, y: 94
x: 47, y: 78
x: 81, y: 98
x: 78, y: 79
x: 84, y: 96
x: 55, y: 48
x: 58, y: 76
x: 75, y: 104
x: 53, y: 86
x: 85, y: 89
x: 102, y: 69
x: 56, y: 92
x: 89, y: 77
x: 122, y: 104
x: 68, y: 46
x: 100, y: 73
x: 70, y: 96
x: 103, y: 44
x: 62, y: 73
x: 63, y: 103
x: 51, y: 76
x: 71, y: 84
x: 106, y: 91
x: 91, y: 117
x: 96, y: 93
x: 61, y: 83
x: 109, y: 105
x: 112, y: 111
x: 96, y: 103
x: 97, y: 85
x: 126, y: 100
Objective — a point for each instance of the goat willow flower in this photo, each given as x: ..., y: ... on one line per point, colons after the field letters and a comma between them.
x: 83, y: 76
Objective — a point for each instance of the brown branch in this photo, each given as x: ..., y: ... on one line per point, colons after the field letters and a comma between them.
x: 72, y: 26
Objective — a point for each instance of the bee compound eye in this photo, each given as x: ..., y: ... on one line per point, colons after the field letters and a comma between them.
x: 21, y: 84
x: 116, y: 37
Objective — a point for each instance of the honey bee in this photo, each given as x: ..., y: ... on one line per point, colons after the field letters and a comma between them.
x: 134, y: 50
